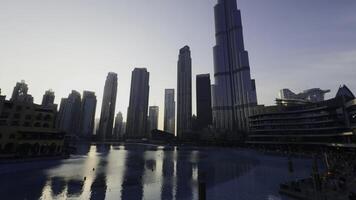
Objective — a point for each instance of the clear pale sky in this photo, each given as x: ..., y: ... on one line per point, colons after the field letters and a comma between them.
x: 73, y: 44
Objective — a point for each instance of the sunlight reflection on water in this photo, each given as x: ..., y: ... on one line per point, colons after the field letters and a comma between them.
x: 151, y: 172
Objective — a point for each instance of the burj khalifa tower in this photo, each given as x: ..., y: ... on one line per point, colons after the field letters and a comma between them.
x: 234, y: 92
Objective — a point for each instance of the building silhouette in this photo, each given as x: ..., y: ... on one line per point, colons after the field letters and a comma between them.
x: 20, y: 93
x: 68, y: 119
x: 48, y: 98
x: 108, y: 107
x: 184, y: 93
x: 203, y: 98
x: 169, y: 111
x: 153, y: 117
x: 119, y: 127
x: 234, y: 93
x: 87, y: 114
x: 136, y: 126
x: 324, y: 123
x: 28, y: 129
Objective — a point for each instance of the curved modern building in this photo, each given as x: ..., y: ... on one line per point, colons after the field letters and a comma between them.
x: 234, y: 93
x: 310, y: 95
x: 327, y: 123
x: 108, y: 107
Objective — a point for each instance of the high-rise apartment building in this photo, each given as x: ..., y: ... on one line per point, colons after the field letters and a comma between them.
x: 169, y: 111
x: 48, y: 98
x: 203, y: 98
x: 136, y: 126
x: 153, y: 117
x: 68, y: 119
x: 20, y: 93
x: 118, y: 128
x: 108, y: 107
x: 87, y: 114
x: 184, y: 92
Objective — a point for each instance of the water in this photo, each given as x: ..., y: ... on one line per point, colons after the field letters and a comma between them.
x: 152, y: 172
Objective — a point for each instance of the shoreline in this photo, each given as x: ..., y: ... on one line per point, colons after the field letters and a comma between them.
x: 166, y: 147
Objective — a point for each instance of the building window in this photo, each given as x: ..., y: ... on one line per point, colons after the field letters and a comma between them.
x: 12, y: 136
x: 9, y: 148
x: 18, y: 108
x: 37, y: 124
x: 45, y: 125
x: 28, y: 117
x: 39, y: 116
x: 8, y: 105
x: 4, y: 115
x: 27, y: 124
x: 17, y: 115
x: 48, y: 117
x: 15, y: 123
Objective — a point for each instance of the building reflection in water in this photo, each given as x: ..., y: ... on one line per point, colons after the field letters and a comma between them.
x: 58, y: 185
x: 184, y: 175
x: 167, y: 176
x: 76, y: 178
x: 148, y: 172
x: 99, y: 186
x: 75, y: 187
x: 131, y: 187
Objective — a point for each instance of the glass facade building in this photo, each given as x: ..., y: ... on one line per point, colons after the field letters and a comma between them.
x: 169, y: 111
x: 234, y: 93
x: 153, y: 117
x: 68, y: 119
x: 108, y: 107
x: 203, y: 90
x: 87, y: 114
x: 184, y: 93
x: 136, y: 127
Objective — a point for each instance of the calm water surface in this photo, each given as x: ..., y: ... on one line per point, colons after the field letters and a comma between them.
x: 151, y: 172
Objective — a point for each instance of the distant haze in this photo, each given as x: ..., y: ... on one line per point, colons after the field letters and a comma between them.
x: 65, y: 45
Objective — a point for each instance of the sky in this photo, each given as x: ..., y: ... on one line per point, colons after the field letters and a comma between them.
x: 72, y: 45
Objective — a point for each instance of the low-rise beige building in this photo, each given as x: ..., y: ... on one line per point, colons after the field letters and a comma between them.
x: 28, y: 129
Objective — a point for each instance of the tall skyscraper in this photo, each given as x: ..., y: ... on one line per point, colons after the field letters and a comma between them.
x: 118, y: 128
x: 20, y: 93
x: 234, y: 93
x: 153, y: 117
x: 68, y: 119
x: 48, y: 98
x: 203, y: 90
x: 87, y: 114
x: 169, y: 111
x: 184, y: 93
x: 108, y: 107
x: 136, y: 126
